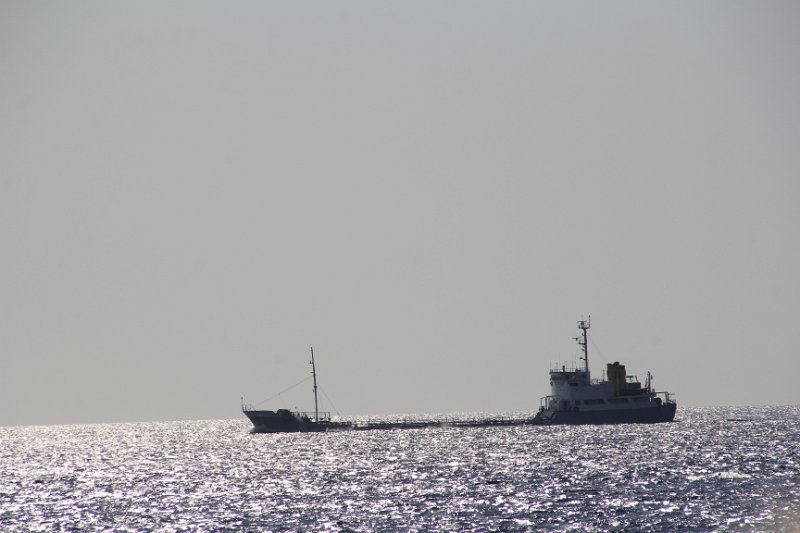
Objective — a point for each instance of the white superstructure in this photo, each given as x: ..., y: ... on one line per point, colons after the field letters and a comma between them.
x: 575, y: 398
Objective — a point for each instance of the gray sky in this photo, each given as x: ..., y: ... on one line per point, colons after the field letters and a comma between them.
x: 429, y: 193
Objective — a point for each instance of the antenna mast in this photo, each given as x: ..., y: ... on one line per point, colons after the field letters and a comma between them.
x: 314, y: 373
x: 583, y: 342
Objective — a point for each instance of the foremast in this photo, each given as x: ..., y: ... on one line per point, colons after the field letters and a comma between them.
x: 314, y: 374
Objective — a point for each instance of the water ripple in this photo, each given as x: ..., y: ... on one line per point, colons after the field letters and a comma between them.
x: 733, y: 469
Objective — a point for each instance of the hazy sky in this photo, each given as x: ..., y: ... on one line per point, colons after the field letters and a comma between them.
x: 429, y: 193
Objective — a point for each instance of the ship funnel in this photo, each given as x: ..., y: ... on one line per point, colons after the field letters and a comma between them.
x: 616, y: 375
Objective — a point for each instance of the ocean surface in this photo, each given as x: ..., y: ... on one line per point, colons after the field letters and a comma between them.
x: 717, y: 469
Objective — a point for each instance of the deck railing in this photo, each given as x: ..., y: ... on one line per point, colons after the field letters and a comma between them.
x: 324, y: 416
x: 667, y: 396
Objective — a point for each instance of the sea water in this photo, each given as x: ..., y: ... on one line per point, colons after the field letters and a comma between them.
x: 720, y: 469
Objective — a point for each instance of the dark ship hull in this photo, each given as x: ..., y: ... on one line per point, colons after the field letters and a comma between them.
x: 285, y: 421
x: 644, y: 415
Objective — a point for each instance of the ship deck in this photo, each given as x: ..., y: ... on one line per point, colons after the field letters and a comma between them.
x: 440, y: 423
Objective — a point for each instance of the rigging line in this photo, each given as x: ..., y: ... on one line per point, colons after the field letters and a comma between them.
x: 330, y: 402
x: 284, y: 390
x: 591, y: 340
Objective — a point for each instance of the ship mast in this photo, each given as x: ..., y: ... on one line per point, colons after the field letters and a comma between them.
x: 314, y: 374
x: 583, y: 342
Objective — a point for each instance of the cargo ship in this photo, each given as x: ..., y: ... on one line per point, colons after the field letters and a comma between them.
x: 576, y: 398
